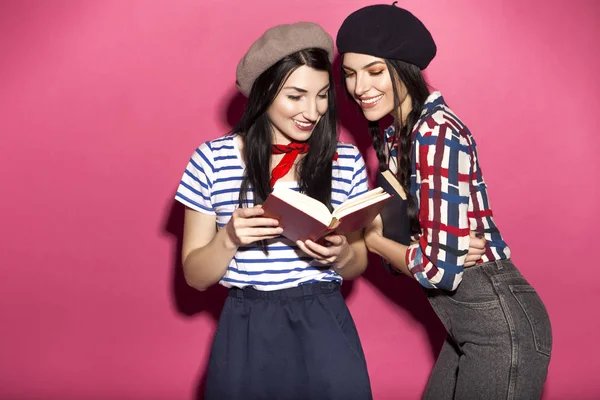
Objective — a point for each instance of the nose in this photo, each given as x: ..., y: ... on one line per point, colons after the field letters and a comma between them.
x: 362, y: 84
x: 311, y: 112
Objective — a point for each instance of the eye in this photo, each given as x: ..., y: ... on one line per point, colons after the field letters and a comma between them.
x: 324, y: 95
x: 293, y: 98
x: 348, y: 74
x: 375, y: 73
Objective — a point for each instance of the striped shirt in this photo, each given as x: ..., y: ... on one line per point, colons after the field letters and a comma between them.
x: 451, y: 194
x: 211, y: 185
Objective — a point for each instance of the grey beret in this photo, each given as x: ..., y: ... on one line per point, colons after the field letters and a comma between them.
x: 276, y: 43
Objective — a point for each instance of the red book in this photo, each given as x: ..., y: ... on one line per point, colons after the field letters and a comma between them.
x: 303, y: 217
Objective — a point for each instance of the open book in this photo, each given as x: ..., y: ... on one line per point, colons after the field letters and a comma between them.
x: 303, y: 217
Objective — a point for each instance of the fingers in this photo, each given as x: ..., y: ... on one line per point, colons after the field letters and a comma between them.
x: 472, y: 259
x: 249, y: 212
x: 324, y: 254
x: 245, y: 217
x: 335, y: 240
x: 247, y: 226
x: 477, y: 242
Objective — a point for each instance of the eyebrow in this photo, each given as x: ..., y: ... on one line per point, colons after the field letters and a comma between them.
x: 304, y: 90
x: 366, y: 66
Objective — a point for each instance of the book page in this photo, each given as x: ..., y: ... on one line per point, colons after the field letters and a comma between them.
x: 389, y: 176
x: 357, y: 200
x: 302, y: 202
x: 363, y: 204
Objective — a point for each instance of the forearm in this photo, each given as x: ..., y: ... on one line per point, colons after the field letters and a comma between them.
x: 205, y: 266
x: 354, y: 261
x: 393, y: 252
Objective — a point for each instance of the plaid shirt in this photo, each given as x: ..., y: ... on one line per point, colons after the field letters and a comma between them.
x: 451, y: 195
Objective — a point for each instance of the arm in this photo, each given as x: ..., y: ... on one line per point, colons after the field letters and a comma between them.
x: 352, y: 264
x: 200, y: 238
x: 438, y: 259
x: 206, y: 252
x: 395, y: 253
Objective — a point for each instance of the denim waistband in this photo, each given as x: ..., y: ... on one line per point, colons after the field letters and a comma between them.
x: 494, y: 267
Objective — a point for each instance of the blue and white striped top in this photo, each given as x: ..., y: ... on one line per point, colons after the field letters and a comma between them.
x: 211, y: 185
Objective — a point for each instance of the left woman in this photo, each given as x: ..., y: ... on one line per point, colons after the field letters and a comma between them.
x: 285, y: 331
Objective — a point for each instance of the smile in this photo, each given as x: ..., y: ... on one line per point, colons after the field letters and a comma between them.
x: 304, y: 126
x: 370, y: 102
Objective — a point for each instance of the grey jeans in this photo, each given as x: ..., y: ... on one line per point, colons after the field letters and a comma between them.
x: 499, y: 337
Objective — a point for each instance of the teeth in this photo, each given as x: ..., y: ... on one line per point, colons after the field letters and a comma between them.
x: 303, y: 124
x: 373, y: 100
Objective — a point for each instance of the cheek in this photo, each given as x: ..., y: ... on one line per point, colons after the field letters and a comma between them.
x: 322, y: 106
x: 350, y: 83
x: 281, y: 108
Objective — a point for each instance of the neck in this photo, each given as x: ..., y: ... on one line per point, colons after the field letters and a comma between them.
x: 405, y: 108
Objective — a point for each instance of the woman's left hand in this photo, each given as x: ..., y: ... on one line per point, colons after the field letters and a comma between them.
x: 332, y: 254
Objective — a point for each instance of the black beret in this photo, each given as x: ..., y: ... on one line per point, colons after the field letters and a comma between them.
x: 387, y: 31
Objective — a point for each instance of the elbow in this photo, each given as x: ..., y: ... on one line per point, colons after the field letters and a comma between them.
x: 196, y: 283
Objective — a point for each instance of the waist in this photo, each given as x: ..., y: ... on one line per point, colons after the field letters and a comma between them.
x: 303, y: 290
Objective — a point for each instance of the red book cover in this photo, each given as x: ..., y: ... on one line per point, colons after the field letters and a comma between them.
x: 296, y: 224
x: 304, y: 218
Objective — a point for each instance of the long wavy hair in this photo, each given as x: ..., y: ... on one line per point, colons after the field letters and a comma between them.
x: 417, y: 88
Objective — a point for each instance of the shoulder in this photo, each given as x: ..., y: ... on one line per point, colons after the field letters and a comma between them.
x: 221, y: 146
x: 348, y: 153
x: 441, y: 124
x: 439, y: 120
x: 213, y: 152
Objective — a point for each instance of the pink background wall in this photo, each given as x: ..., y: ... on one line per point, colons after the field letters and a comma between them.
x: 101, y: 104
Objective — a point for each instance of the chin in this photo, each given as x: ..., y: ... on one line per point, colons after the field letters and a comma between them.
x: 373, y: 115
x: 299, y: 136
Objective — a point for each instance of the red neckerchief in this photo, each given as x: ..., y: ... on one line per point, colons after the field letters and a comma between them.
x: 291, y: 152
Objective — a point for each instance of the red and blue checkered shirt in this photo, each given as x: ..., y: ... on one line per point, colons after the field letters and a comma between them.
x: 451, y: 196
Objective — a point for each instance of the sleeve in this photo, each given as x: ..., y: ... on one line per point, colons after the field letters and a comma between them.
x: 195, y: 187
x: 442, y: 162
x: 360, y: 181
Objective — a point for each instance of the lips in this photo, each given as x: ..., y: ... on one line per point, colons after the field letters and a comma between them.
x: 304, y: 126
x: 369, y: 102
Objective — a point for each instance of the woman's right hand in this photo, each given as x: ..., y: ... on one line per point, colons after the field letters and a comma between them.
x: 476, y: 249
x: 247, y: 225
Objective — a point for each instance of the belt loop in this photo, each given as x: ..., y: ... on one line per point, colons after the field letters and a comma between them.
x: 307, y: 289
x: 498, y: 264
x: 239, y: 293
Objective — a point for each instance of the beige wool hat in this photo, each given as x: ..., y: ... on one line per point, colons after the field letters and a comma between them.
x: 276, y: 43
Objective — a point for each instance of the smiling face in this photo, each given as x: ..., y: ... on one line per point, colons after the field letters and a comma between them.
x: 369, y: 82
x: 299, y: 105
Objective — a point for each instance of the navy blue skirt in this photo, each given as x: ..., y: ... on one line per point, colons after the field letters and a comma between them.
x: 297, y: 343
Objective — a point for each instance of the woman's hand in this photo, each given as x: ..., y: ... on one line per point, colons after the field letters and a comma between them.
x: 336, y: 252
x: 477, y: 247
x: 247, y: 225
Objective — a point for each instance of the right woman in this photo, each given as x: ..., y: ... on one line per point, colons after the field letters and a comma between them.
x: 499, y: 335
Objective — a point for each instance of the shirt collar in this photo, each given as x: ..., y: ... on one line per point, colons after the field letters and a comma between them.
x: 434, y: 100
